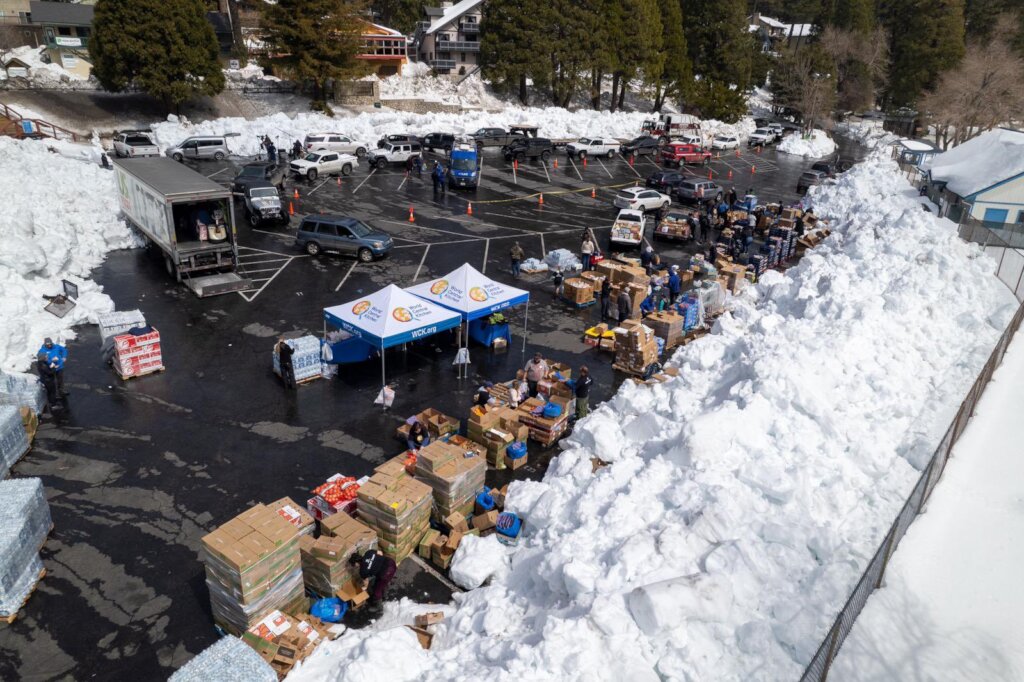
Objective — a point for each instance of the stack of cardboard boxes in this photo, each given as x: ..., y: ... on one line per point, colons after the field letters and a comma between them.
x: 440, y: 426
x: 136, y: 355
x: 325, y: 567
x: 397, y: 507
x: 732, y: 277
x: 578, y: 291
x: 253, y: 567
x: 632, y: 279
x: 635, y: 347
x: 667, y: 325
x: 544, y: 430
x: 291, y: 512
x: 282, y: 640
x: 455, y: 475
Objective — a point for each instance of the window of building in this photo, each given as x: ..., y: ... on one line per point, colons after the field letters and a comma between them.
x: 1020, y: 217
x: 63, y: 31
x: 462, y: 56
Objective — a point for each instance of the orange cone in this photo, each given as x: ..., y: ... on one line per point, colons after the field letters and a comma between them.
x: 709, y: 175
x: 296, y: 195
x: 631, y: 157
x: 412, y: 218
x: 291, y: 208
x: 753, y: 169
x: 339, y: 181
x: 737, y: 152
x: 469, y: 208
x: 556, y: 163
x: 593, y: 192
x: 515, y: 163
x: 540, y: 200
x: 718, y: 155
x: 584, y: 162
x: 730, y: 175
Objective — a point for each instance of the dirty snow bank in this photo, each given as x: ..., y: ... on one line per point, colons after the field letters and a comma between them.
x: 61, y: 221
x: 39, y: 72
x: 818, y: 144
x: 744, y: 497
x: 869, y: 133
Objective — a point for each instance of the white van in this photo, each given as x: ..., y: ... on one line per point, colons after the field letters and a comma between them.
x: 200, y: 147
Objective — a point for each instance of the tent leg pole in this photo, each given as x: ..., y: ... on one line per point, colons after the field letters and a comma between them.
x: 526, y: 321
x: 383, y: 380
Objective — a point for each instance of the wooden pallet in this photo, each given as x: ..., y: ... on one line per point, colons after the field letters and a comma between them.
x: 578, y: 305
x: 136, y: 376
x: 11, y: 618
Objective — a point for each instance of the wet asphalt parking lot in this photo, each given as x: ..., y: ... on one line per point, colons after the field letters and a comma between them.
x: 137, y: 472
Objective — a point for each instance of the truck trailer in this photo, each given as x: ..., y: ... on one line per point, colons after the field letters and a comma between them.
x: 190, y: 218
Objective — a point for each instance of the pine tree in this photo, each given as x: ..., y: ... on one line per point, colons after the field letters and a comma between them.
x: 165, y: 47
x: 315, y: 41
x: 855, y: 15
x: 676, y: 72
x: 720, y: 48
x: 927, y: 39
x: 399, y: 14
x: 513, y: 42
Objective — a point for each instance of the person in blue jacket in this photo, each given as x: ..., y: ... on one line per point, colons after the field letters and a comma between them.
x: 56, y: 356
x: 675, y: 284
x: 648, y: 305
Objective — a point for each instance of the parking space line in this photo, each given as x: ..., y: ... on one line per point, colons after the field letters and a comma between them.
x: 575, y: 168
x: 454, y: 241
x: 266, y: 283
x: 345, y: 278
x: 546, y: 174
x: 404, y: 180
x: 216, y: 172
x: 275, y: 253
x: 543, y: 249
x: 487, y: 247
x: 328, y: 179
x: 605, y: 168
x: 630, y: 167
x: 363, y: 183
x: 420, y: 266
x: 248, y: 271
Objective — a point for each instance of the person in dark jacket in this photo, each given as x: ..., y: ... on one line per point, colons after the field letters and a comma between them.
x: 581, y: 389
x: 675, y: 284
x: 799, y: 226
x: 418, y: 436
x: 705, y: 227
x: 646, y: 256
x: 380, y: 568
x: 284, y: 353
x: 606, y: 299
x: 731, y: 196
x: 483, y: 394
x: 48, y: 375
x: 625, y: 306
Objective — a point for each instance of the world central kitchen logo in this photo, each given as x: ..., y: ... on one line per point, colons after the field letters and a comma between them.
x: 414, y: 313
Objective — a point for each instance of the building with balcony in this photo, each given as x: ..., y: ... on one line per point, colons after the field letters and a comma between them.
x: 66, y: 29
x: 384, y: 49
x: 449, y: 39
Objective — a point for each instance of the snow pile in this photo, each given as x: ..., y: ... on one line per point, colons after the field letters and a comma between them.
x: 39, y: 71
x: 61, y: 221
x: 417, y: 81
x: 742, y: 498
x: 816, y: 145
x: 478, y: 560
x: 950, y: 607
x: 250, y: 72
x: 869, y: 133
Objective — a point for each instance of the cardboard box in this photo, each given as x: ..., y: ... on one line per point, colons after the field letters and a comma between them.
x: 515, y: 463
x: 485, y: 521
x: 331, y: 548
x: 578, y: 291
x: 424, y: 637
x: 453, y: 542
x: 457, y: 522
x: 354, y: 592
x: 423, y: 549
x: 425, y: 619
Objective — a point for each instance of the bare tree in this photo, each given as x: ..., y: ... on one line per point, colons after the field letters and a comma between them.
x: 862, y: 63
x: 981, y: 93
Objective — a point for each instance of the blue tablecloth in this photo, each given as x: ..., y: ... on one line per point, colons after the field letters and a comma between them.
x: 484, y: 333
x: 350, y: 350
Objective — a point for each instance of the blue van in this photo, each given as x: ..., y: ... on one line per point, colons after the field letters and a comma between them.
x: 464, y: 167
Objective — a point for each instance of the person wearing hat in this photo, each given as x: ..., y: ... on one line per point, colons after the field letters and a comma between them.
x: 56, y: 356
x: 675, y: 284
x: 373, y: 564
x: 48, y: 376
x: 581, y: 389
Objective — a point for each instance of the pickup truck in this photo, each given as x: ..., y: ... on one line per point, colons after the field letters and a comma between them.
x: 188, y: 217
x: 592, y: 146
x: 628, y: 228
x: 499, y: 137
x: 134, y: 143
x: 323, y: 162
x: 761, y: 137
x: 679, y: 154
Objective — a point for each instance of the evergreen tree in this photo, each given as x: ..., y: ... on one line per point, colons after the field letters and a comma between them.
x: 640, y: 51
x: 855, y: 15
x: 513, y: 43
x: 927, y: 39
x: 399, y: 14
x: 676, y: 72
x: 315, y: 41
x: 165, y: 47
x: 719, y: 44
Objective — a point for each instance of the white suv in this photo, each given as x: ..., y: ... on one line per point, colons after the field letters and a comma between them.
x: 725, y: 142
x: 335, y: 142
x: 323, y: 162
x: 641, y: 199
x: 590, y: 146
x: 393, y: 153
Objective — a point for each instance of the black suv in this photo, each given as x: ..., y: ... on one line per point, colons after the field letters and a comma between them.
x: 257, y: 172
x: 397, y: 139
x: 443, y: 141
x: 664, y: 181
x: 528, y: 148
x: 645, y: 145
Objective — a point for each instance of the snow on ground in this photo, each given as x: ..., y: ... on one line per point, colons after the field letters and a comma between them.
x: 815, y: 145
x: 951, y: 602
x: 868, y: 133
x: 61, y: 221
x: 744, y: 497
x: 418, y: 81
x: 40, y: 72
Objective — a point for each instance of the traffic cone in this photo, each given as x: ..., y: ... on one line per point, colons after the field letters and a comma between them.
x: 584, y: 162
x: 757, y: 149
x: 737, y: 152
x: 515, y: 164
x: 631, y: 157
x: 730, y: 175
x: 753, y: 169
x: 412, y: 218
x: 339, y: 181
x: 718, y: 155
x: 540, y: 200
x: 296, y: 195
x: 469, y: 208
x: 291, y: 208
x: 593, y: 192
x: 709, y: 175
x: 556, y: 163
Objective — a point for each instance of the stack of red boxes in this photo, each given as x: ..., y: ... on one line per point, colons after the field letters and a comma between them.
x: 137, y: 355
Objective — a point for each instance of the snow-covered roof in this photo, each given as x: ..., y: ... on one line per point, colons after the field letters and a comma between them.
x: 917, y: 145
x: 452, y: 13
x: 978, y: 164
x: 774, y: 23
x: 800, y: 30
x: 388, y: 31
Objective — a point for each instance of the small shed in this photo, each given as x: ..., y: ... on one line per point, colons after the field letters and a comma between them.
x: 982, y: 179
x: 915, y: 153
x: 16, y: 68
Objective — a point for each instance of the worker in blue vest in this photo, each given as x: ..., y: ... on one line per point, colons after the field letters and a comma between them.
x: 56, y: 357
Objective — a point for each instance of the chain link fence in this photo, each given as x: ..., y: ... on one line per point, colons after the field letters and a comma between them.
x: 1010, y: 272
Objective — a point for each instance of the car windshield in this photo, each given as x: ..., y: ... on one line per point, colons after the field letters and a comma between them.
x: 359, y: 229
x: 263, y: 192
x: 628, y: 196
x: 722, y: 138
x: 463, y: 164
x: 584, y: 140
x: 312, y: 158
x: 761, y: 131
x: 251, y: 172
x: 317, y: 138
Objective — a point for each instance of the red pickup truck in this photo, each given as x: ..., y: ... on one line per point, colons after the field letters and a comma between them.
x: 679, y: 153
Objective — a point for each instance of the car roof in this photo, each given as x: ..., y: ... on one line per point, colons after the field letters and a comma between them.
x: 634, y: 190
x: 630, y: 212
x: 332, y: 218
x: 321, y: 134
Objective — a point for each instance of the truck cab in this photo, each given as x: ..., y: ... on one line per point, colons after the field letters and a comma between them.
x: 679, y: 153
x: 464, y: 168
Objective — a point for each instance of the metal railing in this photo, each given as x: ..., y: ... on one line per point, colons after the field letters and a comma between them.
x: 469, y: 27
x: 1010, y: 271
x: 457, y: 46
x: 442, y: 63
x: 13, y: 124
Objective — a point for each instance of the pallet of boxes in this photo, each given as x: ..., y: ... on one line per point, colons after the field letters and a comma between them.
x: 138, y: 352
x: 326, y: 570
x: 454, y: 474
x: 669, y: 326
x: 438, y: 425
x: 624, y: 277
x: 578, y: 292
x: 307, y: 361
x: 495, y: 428
x: 25, y: 523
x: 636, y: 347
x: 334, y: 496
x: 395, y: 506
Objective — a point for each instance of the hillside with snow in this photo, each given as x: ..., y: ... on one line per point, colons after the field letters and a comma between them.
x: 742, y: 498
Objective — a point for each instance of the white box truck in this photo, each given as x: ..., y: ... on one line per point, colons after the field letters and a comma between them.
x: 188, y: 217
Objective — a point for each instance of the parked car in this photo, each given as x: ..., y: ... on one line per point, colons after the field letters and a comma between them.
x: 809, y: 179
x: 528, y: 148
x: 678, y: 154
x: 761, y: 137
x: 592, y: 146
x: 200, y: 147
x: 827, y: 166
x: 628, y: 228
x: 442, y: 141
x: 263, y: 204
x: 464, y: 167
x: 777, y: 129
x: 664, y: 181
x: 641, y: 199
x: 694, y: 190
x: 645, y: 145
x: 134, y: 143
x: 690, y: 138
x: 340, y: 234
x: 257, y: 172
x: 499, y: 137
x: 397, y: 139
x: 336, y: 142
x: 725, y: 142
x: 393, y: 152
x: 318, y: 163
